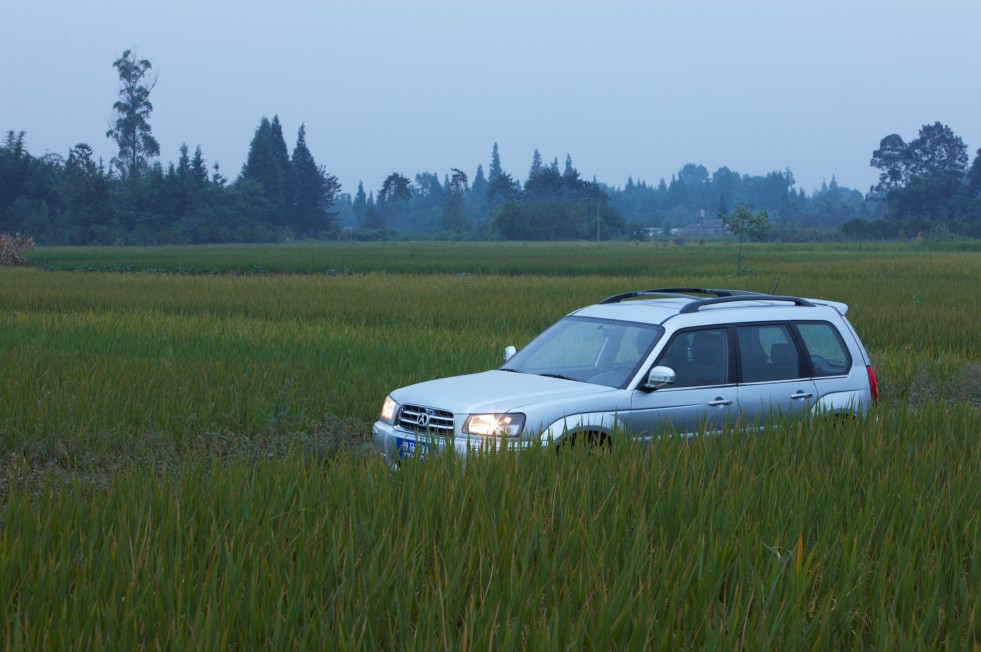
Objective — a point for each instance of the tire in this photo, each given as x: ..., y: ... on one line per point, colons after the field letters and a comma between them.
x: 592, y: 439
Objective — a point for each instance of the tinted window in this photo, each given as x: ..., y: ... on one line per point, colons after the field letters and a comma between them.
x: 698, y: 358
x: 827, y: 352
x: 767, y: 352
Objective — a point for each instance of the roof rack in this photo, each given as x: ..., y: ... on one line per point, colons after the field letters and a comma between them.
x: 694, y: 306
x: 676, y: 292
x: 718, y: 296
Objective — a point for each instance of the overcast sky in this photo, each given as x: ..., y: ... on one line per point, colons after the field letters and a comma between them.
x: 627, y: 88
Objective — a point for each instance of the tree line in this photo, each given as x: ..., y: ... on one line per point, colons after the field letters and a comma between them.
x: 278, y: 195
x: 925, y: 185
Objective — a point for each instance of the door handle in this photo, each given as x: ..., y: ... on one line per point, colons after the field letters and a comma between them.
x: 719, y: 401
x: 801, y: 394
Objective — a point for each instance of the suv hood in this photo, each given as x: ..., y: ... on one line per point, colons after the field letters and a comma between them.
x: 492, y: 391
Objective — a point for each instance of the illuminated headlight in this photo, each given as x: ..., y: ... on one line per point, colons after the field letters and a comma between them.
x: 494, y: 425
x: 388, y: 409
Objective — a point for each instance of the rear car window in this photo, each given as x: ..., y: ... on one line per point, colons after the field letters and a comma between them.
x: 767, y: 352
x: 829, y: 355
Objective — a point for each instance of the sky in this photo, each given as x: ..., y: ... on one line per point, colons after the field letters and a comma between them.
x: 626, y: 88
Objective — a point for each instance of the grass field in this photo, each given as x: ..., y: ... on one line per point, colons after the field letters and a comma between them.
x: 184, y: 462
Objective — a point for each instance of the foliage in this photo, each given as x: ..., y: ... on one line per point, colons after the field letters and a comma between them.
x: 693, y: 190
x: 746, y: 225
x: 314, y: 192
x: 495, y: 169
x: 476, y: 199
x: 393, y: 200
x: 974, y: 177
x: 77, y: 201
x: 927, y: 179
x: 131, y: 130
x: 454, y: 208
x: 503, y: 189
x: 552, y: 206
x: 30, y: 198
x: 360, y: 204
x: 923, y: 184
x: 15, y: 164
x: 266, y: 176
x: 13, y: 247
x: 890, y: 159
x: 89, y: 211
x: 394, y: 189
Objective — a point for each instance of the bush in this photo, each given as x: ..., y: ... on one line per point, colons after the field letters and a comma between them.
x: 12, y: 248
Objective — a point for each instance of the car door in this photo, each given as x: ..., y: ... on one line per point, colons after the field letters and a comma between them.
x: 702, y: 398
x: 773, y: 378
x: 832, y: 368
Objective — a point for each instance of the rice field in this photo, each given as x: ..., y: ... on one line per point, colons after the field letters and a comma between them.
x: 184, y: 460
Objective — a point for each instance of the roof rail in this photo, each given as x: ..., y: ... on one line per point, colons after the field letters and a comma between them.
x: 694, y: 306
x: 675, y: 292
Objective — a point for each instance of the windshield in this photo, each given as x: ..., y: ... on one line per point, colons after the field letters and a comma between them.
x: 599, y: 351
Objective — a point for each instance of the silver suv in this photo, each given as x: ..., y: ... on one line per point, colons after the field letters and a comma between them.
x: 640, y: 364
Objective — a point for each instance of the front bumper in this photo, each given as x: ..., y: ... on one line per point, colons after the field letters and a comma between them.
x: 394, y: 444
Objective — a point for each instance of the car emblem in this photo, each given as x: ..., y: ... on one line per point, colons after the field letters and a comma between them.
x: 423, y: 420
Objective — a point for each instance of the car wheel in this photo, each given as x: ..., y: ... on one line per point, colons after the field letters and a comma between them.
x: 840, y: 420
x: 591, y: 439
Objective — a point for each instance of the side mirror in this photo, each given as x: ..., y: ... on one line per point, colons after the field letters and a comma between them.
x: 660, y: 376
x: 509, y: 352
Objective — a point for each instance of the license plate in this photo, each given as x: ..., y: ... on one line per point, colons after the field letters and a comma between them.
x: 410, y: 447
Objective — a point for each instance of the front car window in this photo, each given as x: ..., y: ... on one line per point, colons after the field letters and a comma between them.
x: 599, y: 351
x: 698, y: 358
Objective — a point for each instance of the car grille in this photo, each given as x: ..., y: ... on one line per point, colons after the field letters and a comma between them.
x: 427, y: 420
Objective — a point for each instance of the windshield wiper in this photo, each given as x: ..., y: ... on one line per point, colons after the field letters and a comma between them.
x: 560, y: 377
x: 514, y: 371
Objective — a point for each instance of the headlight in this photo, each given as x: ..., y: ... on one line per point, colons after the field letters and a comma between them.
x: 494, y: 425
x: 388, y: 409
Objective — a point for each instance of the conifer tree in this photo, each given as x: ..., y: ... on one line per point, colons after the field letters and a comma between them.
x: 282, y: 159
x: 86, y: 187
x: 199, y: 171
x: 265, y: 177
x: 360, y: 205
x: 536, y: 164
x: 454, y: 212
x: 477, y: 197
x: 495, y: 167
x: 569, y: 170
x: 314, y: 192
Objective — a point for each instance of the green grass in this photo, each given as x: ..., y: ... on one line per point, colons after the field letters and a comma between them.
x: 807, y: 537
x: 184, y: 460
x: 765, y: 264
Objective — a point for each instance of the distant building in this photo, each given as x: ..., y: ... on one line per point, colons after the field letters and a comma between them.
x: 704, y: 227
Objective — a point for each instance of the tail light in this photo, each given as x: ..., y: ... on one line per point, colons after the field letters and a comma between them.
x: 872, y: 385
